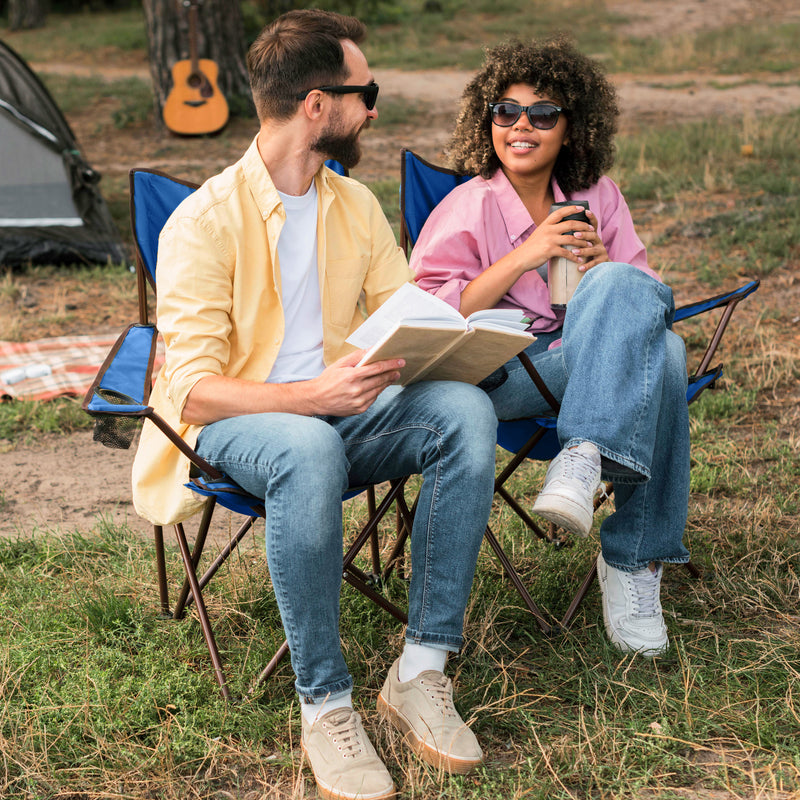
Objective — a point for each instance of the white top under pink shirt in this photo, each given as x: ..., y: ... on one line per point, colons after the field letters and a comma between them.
x: 482, y: 220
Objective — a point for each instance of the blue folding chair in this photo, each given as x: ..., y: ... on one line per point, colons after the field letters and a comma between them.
x: 118, y: 400
x: 423, y: 185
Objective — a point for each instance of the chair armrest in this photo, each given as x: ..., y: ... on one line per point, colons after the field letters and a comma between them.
x: 123, y: 382
x: 119, y: 394
x: 701, y: 306
x: 728, y: 303
x: 699, y: 383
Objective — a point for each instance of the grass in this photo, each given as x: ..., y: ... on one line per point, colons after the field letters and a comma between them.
x: 99, y: 698
x: 102, y: 698
x: 751, y: 157
x: 118, y: 36
x: 131, y: 99
x: 740, y: 181
x: 452, y: 33
x: 21, y: 421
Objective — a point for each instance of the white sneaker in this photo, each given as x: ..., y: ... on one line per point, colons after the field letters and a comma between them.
x: 567, y: 497
x: 632, y: 609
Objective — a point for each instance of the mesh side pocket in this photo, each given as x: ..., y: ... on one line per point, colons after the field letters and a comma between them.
x: 115, y: 432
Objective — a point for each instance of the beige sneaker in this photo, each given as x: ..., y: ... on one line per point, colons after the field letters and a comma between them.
x: 422, y: 710
x: 344, y: 762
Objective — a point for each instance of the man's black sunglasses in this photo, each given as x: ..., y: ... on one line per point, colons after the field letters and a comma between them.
x: 369, y: 93
x: 542, y: 116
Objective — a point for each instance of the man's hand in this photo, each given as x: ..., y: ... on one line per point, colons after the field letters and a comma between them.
x: 343, y: 389
x: 340, y: 390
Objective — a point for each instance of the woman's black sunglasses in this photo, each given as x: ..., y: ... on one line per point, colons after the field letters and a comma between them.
x: 369, y: 93
x: 543, y: 116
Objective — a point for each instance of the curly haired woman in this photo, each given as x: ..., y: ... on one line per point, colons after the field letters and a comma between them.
x: 536, y: 127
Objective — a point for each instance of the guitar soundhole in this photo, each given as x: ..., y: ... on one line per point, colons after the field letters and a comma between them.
x: 198, y: 81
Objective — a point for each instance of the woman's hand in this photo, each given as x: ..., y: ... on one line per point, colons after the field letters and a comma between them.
x: 592, y: 250
x: 554, y: 238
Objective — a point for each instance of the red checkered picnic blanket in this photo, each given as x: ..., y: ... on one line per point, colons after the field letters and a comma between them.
x: 71, y: 363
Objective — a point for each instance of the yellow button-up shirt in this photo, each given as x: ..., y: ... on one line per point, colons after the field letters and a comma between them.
x: 219, y: 301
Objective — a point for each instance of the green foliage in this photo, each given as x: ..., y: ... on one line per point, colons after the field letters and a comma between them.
x: 132, y: 97
x: 20, y: 419
x: 99, y: 36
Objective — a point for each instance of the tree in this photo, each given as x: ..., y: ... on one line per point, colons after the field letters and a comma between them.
x: 25, y: 14
x: 219, y: 37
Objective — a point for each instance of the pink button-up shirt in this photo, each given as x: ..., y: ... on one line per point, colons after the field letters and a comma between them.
x: 482, y: 220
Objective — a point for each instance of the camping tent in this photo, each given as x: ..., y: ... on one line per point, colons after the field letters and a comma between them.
x: 51, y: 211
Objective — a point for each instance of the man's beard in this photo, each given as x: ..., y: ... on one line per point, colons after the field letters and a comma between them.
x: 343, y: 147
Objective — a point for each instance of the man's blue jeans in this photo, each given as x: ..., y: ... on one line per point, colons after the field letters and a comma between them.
x: 302, y: 466
x: 620, y: 377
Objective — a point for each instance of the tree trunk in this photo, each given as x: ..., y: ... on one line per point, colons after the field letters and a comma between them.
x: 219, y: 37
x: 25, y: 14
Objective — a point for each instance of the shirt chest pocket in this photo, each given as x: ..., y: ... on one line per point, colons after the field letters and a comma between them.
x: 344, y: 280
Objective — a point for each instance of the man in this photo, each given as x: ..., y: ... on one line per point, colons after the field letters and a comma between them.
x: 259, y: 277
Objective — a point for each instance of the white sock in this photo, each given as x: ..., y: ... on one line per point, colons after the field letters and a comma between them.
x: 311, y: 711
x: 418, y: 658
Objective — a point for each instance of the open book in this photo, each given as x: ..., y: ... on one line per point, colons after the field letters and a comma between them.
x: 436, y: 342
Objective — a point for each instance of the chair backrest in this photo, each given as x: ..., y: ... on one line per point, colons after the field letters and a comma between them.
x: 154, y: 196
x: 422, y: 187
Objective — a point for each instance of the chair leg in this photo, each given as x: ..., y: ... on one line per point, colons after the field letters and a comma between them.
x: 525, y: 516
x: 197, y: 552
x: 356, y: 581
x: 512, y: 575
x: 588, y: 580
x: 694, y: 570
x: 352, y: 574
x: 374, y: 544
x: 265, y: 673
x: 161, y: 569
x: 405, y: 524
x: 223, y: 556
x: 208, y: 633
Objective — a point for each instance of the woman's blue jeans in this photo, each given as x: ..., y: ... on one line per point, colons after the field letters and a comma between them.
x: 620, y: 377
x: 302, y: 466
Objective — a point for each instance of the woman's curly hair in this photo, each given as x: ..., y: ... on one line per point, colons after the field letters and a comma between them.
x: 554, y: 68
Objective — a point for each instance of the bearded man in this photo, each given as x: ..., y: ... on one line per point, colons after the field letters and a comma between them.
x: 259, y: 277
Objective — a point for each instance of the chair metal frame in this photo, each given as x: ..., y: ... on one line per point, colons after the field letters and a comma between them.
x: 536, y: 438
x: 134, y: 355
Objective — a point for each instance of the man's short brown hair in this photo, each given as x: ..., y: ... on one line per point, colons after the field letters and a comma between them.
x: 300, y: 50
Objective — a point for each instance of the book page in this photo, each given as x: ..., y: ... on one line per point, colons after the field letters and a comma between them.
x: 499, y: 318
x: 418, y: 345
x: 408, y: 303
x: 478, y: 355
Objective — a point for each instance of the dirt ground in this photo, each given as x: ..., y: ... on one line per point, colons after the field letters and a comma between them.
x: 70, y: 482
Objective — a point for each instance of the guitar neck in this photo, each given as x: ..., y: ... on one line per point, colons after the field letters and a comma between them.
x: 192, y: 4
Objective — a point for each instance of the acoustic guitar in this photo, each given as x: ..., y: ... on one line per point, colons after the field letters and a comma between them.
x: 195, y: 104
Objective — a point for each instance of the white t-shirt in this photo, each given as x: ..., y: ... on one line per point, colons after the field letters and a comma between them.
x: 300, y: 356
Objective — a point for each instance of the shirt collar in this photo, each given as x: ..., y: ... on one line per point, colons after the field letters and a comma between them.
x: 517, y: 219
x: 264, y: 192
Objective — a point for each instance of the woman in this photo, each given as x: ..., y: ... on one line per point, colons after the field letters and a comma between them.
x: 536, y: 127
